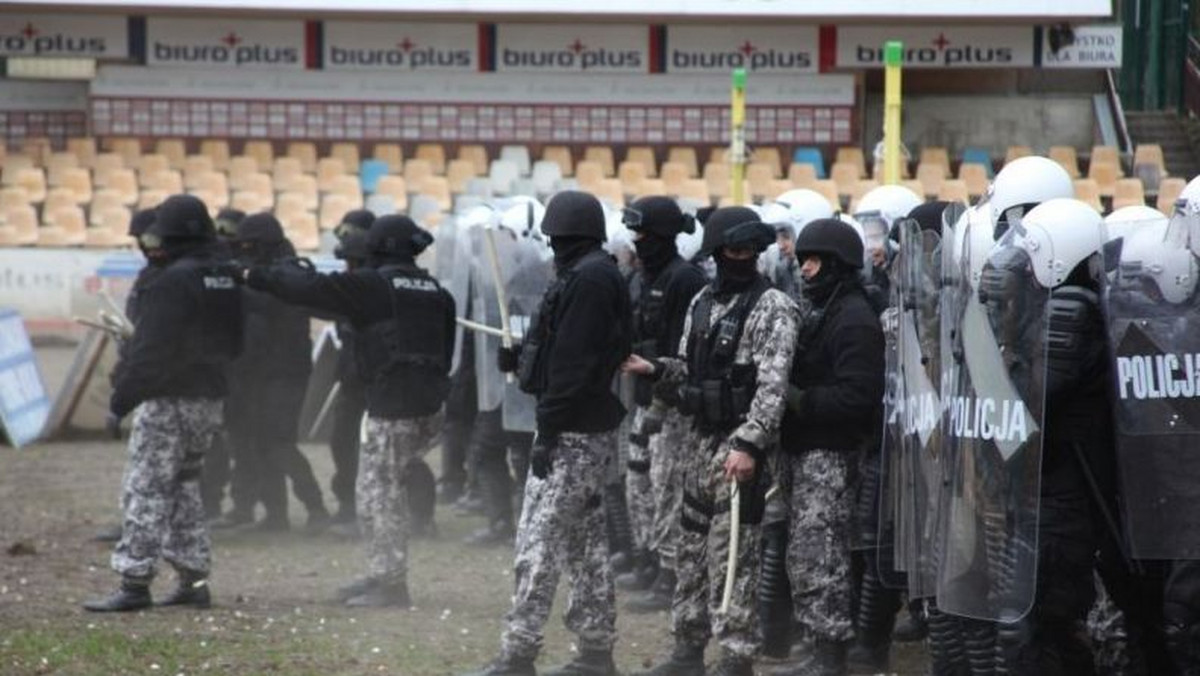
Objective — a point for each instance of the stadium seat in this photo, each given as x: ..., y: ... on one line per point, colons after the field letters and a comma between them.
x: 649, y: 186
x: 109, y: 230
x: 240, y: 167
x: 34, y: 182
x: 936, y: 156
x: 104, y: 164
x: 545, y: 177
x: 845, y: 175
x: 306, y: 153
x: 130, y: 149
x: 102, y: 200
x: 645, y: 155
x: 65, y: 226
x: 954, y: 190
x: 369, y: 173
x: 518, y: 155
x: 84, y: 148
x: 931, y: 175
x: 380, y: 205
x: 56, y: 164
x: 248, y: 201
x: 1128, y: 192
x: 438, y: 188
x: 854, y: 156
x: 770, y: 156
x: 1168, y: 192
x: 589, y: 173
x: 811, y: 156
x: 458, y: 173
x: 347, y: 153
x: 777, y: 187
x: 303, y: 232
x: 286, y: 169
x: 673, y: 175
x: 38, y: 148
x: 802, y: 174
x: 977, y: 156
x: 861, y: 188
x: 685, y: 155
x: 218, y: 151
x: 20, y: 226
x: 913, y: 184
x: 393, y: 186
x: 759, y: 176
x: 1017, y: 152
x: 415, y: 170
x: 151, y: 198
x: 695, y: 190
x: 828, y: 189
x: 194, y: 166
x: 14, y: 196
x: 14, y: 165
x: 174, y: 149
x: 1088, y: 192
x: 610, y: 191
x: 289, y: 203
x: 58, y: 198
x: 392, y: 153
x: 975, y: 176
x: 474, y: 153
x: 1150, y: 154
x: 603, y: 155
x: 351, y: 187
x: 501, y: 175
x: 1105, y: 174
x: 149, y: 165
x: 79, y: 181
x: 213, y: 188
x: 259, y: 183
x: 435, y: 155
x: 717, y: 176
x: 1065, y: 156
x: 562, y: 156
x: 328, y: 171
x: 1109, y: 155
x: 631, y: 173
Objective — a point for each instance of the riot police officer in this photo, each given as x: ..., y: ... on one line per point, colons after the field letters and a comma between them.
x: 404, y: 323
x: 662, y: 289
x: 567, y: 359
x: 172, y: 380
x: 834, y: 396
x: 731, y: 369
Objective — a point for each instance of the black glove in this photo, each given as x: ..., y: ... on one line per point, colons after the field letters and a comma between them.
x: 541, y: 456
x: 506, y: 358
x: 112, y: 425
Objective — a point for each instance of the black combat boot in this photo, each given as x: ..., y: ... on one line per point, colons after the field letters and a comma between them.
x: 732, y: 665
x: 318, y: 520
x: 643, y: 575
x: 828, y: 658
x: 588, y: 663
x: 913, y: 627
x: 108, y: 534
x: 192, y: 591
x: 356, y: 588
x: 869, y: 653
x: 659, y: 597
x: 685, y: 660
x: 382, y: 595
x: 133, y: 594
x: 507, y: 666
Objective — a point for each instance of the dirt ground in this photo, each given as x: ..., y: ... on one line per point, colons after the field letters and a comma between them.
x: 273, y: 611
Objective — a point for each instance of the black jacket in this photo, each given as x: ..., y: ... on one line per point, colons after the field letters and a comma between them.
x: 278, y: 344
x: 188, y: 328
x: 361, y: 297
x: 840, y: 374
x: 591, y: 337
x: 679, y: 281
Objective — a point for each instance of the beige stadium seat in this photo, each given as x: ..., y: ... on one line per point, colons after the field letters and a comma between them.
x: 306, y: 185
x: 588, y: 174
x: 1105, y: 174
x: 471, y: 158
x: 650, y: 186
x: 1128, y: 192
x: 333, y: 207
x: 912, y: 184
x: 166, y: 180
x: 128, y: 148
x: 109, y: 229
x: 719, y: 154
x: 458, y: 173
x: 392, y: 153
x: 214, y: 201
x: 328, y: 170
x: 609, y: 190
x: 58, y: 198
x: 218, y: 150
x: 759, y: 176
x: 603, y: 155
x: 286, y: 169
x: 251, y: 201
x: 14, y: 196
x: 194, y: 166
x: 435, y: 155
x: 347, y: 153
x: 1016, y: 152
x: 861, y: 188
x: 213, y: 188
x: 415, y: 171
x: 936, y: 155
x: 103, y: 200
x: 802, y: 174
x: 152, y: 197
x: 778, y: 187
x: 717, y: 176
x: 20, y: 226
x: 14, y: 165
x: 303, y: 231
x: 288, y: 203
x: 306, y: 153
x: 1066, y: 156
x: 562, y: 156
x: 1109, y: 155
x: 38, y: 148
x: 262, y: 151
x: 34, y: 182
x: 56, y: 164
x: 394, y: 187
x: 438, y: 188
x: 845, y: 175
x: 84, y: 148
x: 174, y: 149
x: 829, y: 190
x: 631, y: 173
x: 260, y: 183
x: 645, y: 155
x: 79, y: 181
x: 1168, y: 191
x: 975, y: 176
x: 954, y: 190
x: 854, y: 156
x: 685, y: 155
x: 931, y: 175
x: 240, y: 168
x: 1151, y: 155
x: 673, y: 175
x: 769, y: 155
x: 349, y: 186
x: 695, y: 190
x: 1088, y: 192
x: 65, y: 226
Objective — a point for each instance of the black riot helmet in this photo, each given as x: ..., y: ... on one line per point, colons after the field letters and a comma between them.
x: 352, y: 247
x: 141, y: 222
x: 736, y: 227
x: 227, y: 222
x: 829, y: 237
x: 261, y: 227
x: 397, y: 236
x: 357, y: 219
x: 657, y: 215
x: 183, y: 217
x: 572, y: 213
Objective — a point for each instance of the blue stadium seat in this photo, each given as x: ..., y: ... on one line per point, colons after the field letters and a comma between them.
x: 810, y: 155
x: 978, y: 156
x: 370, y: 172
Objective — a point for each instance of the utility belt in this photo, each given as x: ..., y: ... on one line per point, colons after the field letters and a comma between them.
x: 697, y: 512
x: 720, y: 403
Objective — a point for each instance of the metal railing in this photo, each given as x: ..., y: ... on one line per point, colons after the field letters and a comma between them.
x: 1191, y: 77
x: 1118, y: 113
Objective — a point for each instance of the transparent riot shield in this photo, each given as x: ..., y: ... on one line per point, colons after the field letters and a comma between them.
x: 452, y: 268
x: 993, y: 413
x: 532, y: 275
x: 485, y: 307
x: 1154, y: 330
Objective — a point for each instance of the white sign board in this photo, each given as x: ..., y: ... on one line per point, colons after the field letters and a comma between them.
x: 64, y: 35
x: 938, y: 46
x: 758, y: 49
x: 1094, y: 47
x: 24, y: 405
x: 572, y: 48
x: 387, y: 46
x: 225, y: 43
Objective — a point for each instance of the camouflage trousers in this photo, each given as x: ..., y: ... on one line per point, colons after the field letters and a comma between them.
x: 702, y: 555
x: 639, y: 487
x: 563, y: 526
x: 666, y: 447
x: 160, y: 492
x: 819, y: 534
x: 381, y: 492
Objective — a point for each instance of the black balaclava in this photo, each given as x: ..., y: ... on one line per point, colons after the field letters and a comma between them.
x: 570, y: 248
x: 833, y: 274
x: 734, y: 276
x: 655, y: 252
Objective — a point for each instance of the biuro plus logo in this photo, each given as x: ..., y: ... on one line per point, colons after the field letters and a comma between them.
x: 230, y: 49
x: 575, y: 56
x: 405, y: 54
x: 746, y: 55
x: 32, y: 40
x: 940, y: 52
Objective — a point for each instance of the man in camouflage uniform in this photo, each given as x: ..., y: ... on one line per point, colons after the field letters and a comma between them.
x: 171, y: 377
x: 567, y: 359
x: 733, y: 364
x: 834, y: 401
x: 404, y: 329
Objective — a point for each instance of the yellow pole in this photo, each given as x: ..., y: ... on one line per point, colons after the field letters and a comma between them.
x: 737, y: 136
x: 893, y: 54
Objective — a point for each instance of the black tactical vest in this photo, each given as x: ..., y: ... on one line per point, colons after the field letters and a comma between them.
x: 402, y: 359
x: 218, y: 339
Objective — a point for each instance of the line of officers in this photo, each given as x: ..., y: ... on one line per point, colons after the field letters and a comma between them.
x: 968, y: 455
